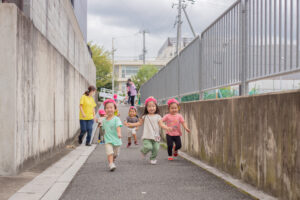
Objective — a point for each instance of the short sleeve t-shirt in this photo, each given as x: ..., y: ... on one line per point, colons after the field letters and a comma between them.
x: 110, y: 128
x: 174, y: 122
x: 132, y: 119
x: 88, y: 106
x: 151, y: 126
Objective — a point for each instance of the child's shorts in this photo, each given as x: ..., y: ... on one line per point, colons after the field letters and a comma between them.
x: 110, y: 149
x: 131, y: 131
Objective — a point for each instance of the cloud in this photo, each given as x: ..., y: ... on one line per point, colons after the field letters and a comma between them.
x: 123, y: 19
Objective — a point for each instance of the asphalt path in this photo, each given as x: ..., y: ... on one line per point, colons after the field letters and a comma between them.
x: 135, y: 178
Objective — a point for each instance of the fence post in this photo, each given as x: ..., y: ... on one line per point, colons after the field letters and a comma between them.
x: 200, y: 69
x: 243, y: 88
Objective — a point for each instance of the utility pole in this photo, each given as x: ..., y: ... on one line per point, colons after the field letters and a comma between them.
x: 113, y: 65
x: 179, y: 22
x: 144, y: 45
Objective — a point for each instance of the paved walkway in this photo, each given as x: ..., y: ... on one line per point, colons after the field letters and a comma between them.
x: 135, y: 178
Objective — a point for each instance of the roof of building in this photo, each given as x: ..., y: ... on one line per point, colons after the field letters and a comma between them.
x: 139, y: 62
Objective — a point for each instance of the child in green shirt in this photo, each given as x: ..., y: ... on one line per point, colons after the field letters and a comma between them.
x: 112, y: 127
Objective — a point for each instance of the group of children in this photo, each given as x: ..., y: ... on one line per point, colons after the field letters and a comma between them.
x: 110, y: 131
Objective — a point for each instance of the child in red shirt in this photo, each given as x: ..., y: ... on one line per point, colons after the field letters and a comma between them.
x: 174, y: 120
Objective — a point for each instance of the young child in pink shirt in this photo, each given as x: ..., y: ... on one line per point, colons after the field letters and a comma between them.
x: 173, y: 119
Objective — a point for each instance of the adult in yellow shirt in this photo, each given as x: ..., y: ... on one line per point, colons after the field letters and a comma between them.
x: 87, y: 114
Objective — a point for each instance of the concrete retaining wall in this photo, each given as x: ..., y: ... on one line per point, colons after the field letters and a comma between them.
x: 256, y: 139
x: 40, y: 91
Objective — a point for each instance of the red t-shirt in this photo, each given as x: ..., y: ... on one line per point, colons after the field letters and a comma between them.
x: 173, y: 121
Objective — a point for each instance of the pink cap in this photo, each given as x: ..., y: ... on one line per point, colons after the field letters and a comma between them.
x: 132, y: 107
x: 115, y: 96
x: 150, y: 99
x: 109, y: 101
x: 172, y: 101
x: 102, y: 112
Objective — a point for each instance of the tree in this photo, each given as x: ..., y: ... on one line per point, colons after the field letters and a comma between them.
x: 103, y: 65
x: 143, y: 75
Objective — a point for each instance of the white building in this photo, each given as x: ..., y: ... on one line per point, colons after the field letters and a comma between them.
x: 168, y: 49
x: 126, y: 69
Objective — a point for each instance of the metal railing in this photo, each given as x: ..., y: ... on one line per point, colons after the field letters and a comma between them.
x: 252, y: 40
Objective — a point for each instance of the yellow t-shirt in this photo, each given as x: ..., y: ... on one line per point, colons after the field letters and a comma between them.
x: 116, y: 112
x: 88, y: 106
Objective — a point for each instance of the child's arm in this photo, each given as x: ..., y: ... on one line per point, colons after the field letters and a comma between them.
x: 119, y: 131
x: 185, y: 127
x: 163, y: 126
x: 133, y: 125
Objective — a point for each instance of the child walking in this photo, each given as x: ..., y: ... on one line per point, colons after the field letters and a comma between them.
x: 102, y: 115
x: 173, y: 120
x: 132, y: 118
x: 151, y: 134
x: 112, y: 127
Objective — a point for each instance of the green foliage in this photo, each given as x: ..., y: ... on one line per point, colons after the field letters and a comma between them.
x: 143, y: 75
x: 103, y: 66
x: 191, y: 97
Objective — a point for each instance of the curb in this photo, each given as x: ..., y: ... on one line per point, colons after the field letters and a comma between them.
x: 51, y: 184
x: 237, y: 183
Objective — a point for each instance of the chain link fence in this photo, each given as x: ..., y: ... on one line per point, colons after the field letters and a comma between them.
x: 252, y: 40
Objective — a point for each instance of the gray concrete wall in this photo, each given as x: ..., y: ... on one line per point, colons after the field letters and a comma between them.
x: 57, y: 21
x: 256, y: 139
x: 41, y: 91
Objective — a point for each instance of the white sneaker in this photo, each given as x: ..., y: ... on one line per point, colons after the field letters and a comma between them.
x: 112, y: 167
x: 153, y: 162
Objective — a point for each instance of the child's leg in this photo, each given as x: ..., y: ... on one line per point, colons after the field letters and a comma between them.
x: 170, y: 144
x: 154, y: 150
x: 129, y: 136
x: 110, y: 158
x: 116, y: 151
x: 177, y: 142
x: 134, y: 136
x: 147, y: 146
x: 99, y: 137
x: 110, y: 153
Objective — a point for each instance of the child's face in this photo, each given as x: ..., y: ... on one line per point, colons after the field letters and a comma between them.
x: 173, y: 108
x: 110, y: 109
x: 132, y: 113
x: 151, y: 107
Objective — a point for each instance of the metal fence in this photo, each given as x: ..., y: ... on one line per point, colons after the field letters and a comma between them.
x: 252, y: 40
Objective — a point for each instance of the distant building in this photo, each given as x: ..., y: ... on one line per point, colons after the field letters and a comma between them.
x: 168, y: 49
x: 126, y: 69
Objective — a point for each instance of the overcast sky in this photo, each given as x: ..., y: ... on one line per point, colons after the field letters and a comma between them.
x: 123, y: 19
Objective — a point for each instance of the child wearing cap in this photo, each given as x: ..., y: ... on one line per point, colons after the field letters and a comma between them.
x: 173, y: 120
x: 151, y: 134
x: 112, y: 127
x: 132, y: 118
x: 102, y: 115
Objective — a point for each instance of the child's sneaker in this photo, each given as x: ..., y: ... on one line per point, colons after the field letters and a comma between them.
x: 170, y: 158
x: 112, y: 167
x: 153, y: 162
x: 128, y: 145
x: 136, y: 143
x: 175, y: 153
